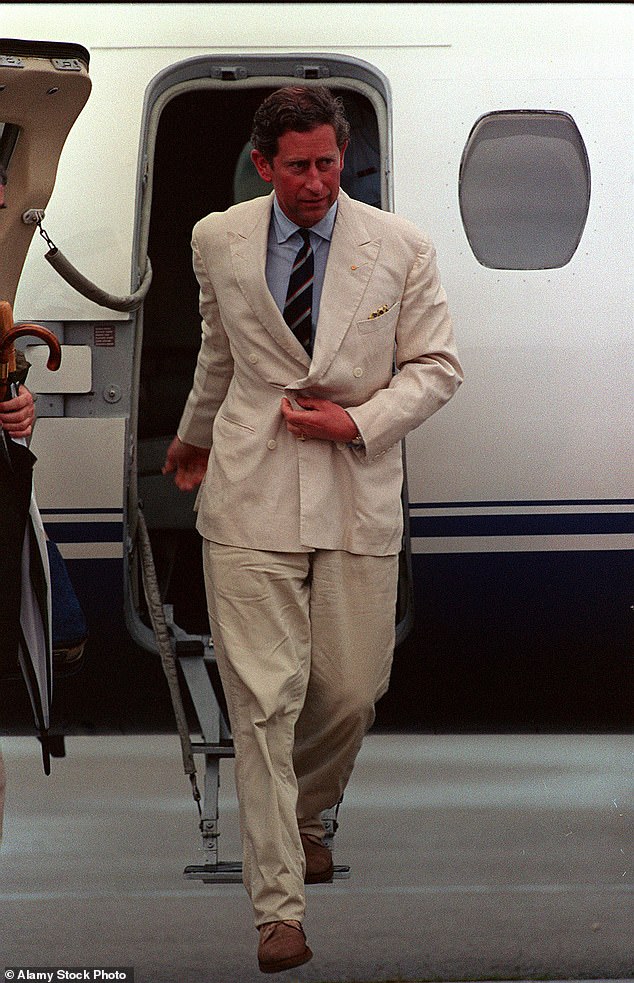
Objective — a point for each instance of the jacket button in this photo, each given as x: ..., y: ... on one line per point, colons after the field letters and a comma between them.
x: 271, y: 444
x: 253, y: 358
x: 341, y: 446
x: 358, y: 372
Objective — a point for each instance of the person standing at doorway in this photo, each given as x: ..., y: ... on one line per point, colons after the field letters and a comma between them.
x: 326, y: 339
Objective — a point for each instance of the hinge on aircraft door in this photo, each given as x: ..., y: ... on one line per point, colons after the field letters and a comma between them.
x: 11, y: 61
x: 229, y: 73
x: 67, y: 64
x: 311, y: 71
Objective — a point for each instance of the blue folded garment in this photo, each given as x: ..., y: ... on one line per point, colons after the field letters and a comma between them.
x: 68, y: 620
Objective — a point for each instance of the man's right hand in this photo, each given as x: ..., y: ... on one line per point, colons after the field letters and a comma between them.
x: 187, y: 463
x: 18, y: 414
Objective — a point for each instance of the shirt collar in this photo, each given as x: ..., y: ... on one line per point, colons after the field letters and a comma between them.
x: 284, y: 228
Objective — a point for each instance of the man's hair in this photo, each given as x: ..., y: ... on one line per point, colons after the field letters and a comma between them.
x: 299, y: 108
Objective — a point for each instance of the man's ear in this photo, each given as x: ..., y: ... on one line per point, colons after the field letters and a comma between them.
x: 262, y: 165
x: 342, y: 153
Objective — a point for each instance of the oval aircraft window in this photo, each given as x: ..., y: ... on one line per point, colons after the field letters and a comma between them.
x: 524, y: 189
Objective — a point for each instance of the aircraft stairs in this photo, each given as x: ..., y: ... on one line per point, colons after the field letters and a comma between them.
x: 199, y: 673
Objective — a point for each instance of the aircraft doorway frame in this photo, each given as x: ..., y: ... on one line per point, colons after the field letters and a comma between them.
x: 220, y: 75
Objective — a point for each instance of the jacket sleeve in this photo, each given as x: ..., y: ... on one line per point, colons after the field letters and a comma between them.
x: 214, y: 367
x: 428, y: 371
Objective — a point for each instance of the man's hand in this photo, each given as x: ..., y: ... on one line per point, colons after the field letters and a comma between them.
x: 17, y: 415
x: 187, y: 462
x: 318, y: 419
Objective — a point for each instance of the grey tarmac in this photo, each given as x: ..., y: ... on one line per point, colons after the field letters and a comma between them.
x: 473, y: 857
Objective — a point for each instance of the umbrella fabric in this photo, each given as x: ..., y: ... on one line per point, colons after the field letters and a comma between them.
x: 25, y: 622
x: 29, y: 615
x: 35, y: 649
x: 16, y: 467
x: 16, y: 480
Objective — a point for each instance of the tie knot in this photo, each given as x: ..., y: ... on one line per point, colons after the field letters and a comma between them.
x: 305, y: 236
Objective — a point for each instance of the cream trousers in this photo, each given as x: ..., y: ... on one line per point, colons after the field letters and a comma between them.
x: 304, y: 645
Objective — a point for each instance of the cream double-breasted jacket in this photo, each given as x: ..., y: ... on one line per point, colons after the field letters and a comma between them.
x: 382, y: 305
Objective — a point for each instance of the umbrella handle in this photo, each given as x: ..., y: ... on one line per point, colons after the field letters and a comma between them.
x: 9, y: 332
x: 54, y: 350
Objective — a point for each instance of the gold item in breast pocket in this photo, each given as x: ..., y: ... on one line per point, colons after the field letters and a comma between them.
x: 382, y: 310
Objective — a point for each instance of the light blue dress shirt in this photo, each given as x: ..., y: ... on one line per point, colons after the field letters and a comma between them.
x: 284, y: 241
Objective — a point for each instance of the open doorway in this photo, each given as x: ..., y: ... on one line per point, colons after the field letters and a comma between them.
x: 201, y: 164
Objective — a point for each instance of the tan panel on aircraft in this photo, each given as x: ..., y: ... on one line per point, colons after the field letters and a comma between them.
x: 73, y: 376
x: 44, y: 101
x: 62, y: 446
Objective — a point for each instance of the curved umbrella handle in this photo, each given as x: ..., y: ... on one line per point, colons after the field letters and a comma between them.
x: 54, y: 350
x: 9, y: 332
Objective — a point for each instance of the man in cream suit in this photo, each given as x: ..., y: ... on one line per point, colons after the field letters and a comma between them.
x: 296, y: 438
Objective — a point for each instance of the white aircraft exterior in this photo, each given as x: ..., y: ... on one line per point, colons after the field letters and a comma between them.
x: 505, y: 132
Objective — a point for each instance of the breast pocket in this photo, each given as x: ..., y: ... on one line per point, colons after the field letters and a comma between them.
x: 382, y: 320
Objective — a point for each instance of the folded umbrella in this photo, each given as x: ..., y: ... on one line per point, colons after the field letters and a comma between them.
x: 25, y: 622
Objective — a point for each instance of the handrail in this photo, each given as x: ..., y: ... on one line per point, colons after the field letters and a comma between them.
x: 91, y: 291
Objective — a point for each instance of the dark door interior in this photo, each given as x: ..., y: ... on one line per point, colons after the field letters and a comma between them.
x: 201, y: 164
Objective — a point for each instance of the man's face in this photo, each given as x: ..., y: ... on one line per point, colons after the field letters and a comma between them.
x: 305, y: 173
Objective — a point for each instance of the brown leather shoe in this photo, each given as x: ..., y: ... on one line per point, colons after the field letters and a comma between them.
x: 319, y: 865
x: 282, y: 946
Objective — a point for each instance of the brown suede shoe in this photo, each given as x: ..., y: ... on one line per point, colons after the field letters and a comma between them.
x: 282, y: 946
x: 319, y: 865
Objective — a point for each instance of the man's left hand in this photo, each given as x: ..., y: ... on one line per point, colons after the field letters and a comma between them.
x: 318, y: 419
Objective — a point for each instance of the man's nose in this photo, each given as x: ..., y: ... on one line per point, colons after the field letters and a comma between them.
x: 313, y: 179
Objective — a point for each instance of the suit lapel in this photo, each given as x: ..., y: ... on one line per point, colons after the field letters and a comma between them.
x: 248, y: 240
x: 351, y: 260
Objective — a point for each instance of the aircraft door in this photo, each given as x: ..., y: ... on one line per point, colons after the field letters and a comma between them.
x: 43, y: 88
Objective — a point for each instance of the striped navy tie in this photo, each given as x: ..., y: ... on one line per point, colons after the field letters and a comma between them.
x: 299, y: 296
